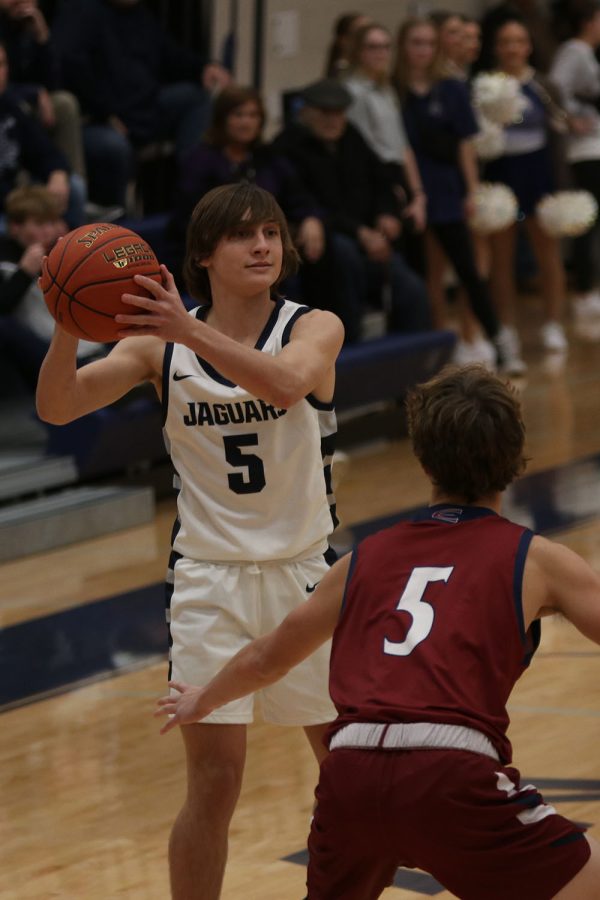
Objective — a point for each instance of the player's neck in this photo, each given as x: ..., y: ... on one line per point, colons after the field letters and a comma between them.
x: 240, y: 318
x: 491, y: 501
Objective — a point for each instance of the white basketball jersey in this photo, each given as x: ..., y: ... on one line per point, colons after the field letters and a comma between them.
x: 254, y: 481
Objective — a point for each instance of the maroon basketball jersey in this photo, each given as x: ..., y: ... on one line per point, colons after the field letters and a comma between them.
x: 431, y: 628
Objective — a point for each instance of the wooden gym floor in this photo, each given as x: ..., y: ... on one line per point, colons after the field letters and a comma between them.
x: 89, y: 789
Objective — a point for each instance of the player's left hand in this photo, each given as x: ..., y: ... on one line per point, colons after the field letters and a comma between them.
x: 161, y: 315
x: 185, y: 709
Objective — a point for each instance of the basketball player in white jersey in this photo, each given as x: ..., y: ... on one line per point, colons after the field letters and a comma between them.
x: 246, y: 383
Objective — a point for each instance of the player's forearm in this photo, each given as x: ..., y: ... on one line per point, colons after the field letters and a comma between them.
x: 248, y: 671
x: 269, y: 377
x: 56, y: 388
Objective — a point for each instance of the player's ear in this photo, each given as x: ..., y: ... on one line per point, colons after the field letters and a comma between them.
x: 204, y: 262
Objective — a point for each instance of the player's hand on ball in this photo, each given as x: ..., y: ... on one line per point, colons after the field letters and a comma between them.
x: 182, y: 709
x: 162, y: 314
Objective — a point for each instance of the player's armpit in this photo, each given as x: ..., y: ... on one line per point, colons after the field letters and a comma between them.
x: 570, y: 586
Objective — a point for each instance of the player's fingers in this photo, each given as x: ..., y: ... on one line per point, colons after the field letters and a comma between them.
x: 180, y: 686
x: 168, y: 280
x: 169, y: 724
x: 142, y: 302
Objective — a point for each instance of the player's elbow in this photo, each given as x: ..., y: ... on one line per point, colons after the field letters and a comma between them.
x: 49, y: 413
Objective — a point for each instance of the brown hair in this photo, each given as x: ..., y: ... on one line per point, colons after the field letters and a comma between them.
x: 31, y: 202
x: 436, y: 70
x: 359, y: 39
x: 216, y: 216
x: 226, y: 101
x: 467, y: 431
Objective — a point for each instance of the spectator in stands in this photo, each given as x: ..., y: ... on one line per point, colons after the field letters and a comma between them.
x: 532, y: 167
x: 26, y: 150
x: 470, y: 47
x: 35, y: 76
x: 344, y: 29
x: 34, y: 223
x: 233, y: 150
x: 576, y: 72
x: 450, y: 30
x: 351, y: 185
x: 135, y: 85
x: 535, y: 15
x: 375, y: 111
x: 440, y: 124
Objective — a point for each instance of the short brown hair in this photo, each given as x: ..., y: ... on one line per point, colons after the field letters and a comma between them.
x: 227, y: 100
x: 31, y: 202
x: 467, y: 431
x: 216, y: 216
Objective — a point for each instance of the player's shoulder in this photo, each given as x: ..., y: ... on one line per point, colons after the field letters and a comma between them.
x: 552, y: 560
x: 315, y: 322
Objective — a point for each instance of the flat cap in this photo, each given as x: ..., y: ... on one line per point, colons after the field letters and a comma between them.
x: 326, y: 94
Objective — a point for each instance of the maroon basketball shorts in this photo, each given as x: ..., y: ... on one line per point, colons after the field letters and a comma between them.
x: 458, y: 815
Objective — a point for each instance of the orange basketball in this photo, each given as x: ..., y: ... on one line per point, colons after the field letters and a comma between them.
x: 86, y: 273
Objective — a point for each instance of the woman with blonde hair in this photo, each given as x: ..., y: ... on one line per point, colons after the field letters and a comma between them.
x: 440, y: 124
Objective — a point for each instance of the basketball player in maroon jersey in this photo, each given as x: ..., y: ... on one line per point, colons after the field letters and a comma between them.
x: 433, y: 622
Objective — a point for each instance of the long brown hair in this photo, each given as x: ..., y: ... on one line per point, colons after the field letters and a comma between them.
x: 227, y: 100
x: 400, y: 69
x: 359, y: 40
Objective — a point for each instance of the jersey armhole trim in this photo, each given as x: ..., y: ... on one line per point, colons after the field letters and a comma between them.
x: 301, y: 311
x: 530, y: 640
x: 352, y: 566
x: 166, y: 370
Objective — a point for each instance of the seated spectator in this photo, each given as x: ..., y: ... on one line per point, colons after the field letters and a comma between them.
x: 135, y: 85
x: 232, y: 150
x: 35, y: 76
x: 344, y: 29
x: 375, y: 111
x: 34, y: 224
x: 26, y: 149
x: 351, y: 185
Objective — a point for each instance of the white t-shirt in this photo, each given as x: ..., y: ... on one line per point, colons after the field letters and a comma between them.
x: 376, y: 113
x: 576, y: 73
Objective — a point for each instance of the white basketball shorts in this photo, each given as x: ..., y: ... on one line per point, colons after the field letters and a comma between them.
x: 218, y: 608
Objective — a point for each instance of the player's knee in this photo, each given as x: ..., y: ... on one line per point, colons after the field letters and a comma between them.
x: 215, y: 784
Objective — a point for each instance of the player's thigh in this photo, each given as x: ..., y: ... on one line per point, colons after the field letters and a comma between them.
x: 586, y: 884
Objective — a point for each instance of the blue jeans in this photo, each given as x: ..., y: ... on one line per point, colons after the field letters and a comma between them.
x: 358, y: 280
x: 183, y: 111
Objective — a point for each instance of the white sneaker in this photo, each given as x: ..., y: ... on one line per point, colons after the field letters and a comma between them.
x: 587, y: 305
x: 553, y: 337
x: 509, y: 347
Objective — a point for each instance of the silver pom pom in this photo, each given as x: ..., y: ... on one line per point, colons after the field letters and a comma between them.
x: 498, y: 97
x: 489, y: 142
x: 496, y: 208
x: 567, y: 213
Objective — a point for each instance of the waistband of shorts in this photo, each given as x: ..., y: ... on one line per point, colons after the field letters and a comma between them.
x: 412, y: 736
x: 316, y: 551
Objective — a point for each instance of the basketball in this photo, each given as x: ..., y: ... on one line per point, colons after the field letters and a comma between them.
x: 85, y: 274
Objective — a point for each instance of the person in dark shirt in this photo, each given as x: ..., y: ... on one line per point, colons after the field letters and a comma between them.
x: 351, y: 185
x: 433, y: 622
x: 25, y: 146
x: 135, y: 85
x: 35, y: 76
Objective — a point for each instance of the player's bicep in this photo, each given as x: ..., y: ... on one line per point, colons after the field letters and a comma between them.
x: 573, y: 587
x: 314, y: 344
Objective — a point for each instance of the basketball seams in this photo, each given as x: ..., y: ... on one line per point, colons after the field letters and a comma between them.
x: 68, y: 306
x: 99, y: 246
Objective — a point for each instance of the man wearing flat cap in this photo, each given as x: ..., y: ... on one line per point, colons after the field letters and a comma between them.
x: 352, y: 187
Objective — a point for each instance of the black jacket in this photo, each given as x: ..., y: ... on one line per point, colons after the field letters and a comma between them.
x: 347, y: 179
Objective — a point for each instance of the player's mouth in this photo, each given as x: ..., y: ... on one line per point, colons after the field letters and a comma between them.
x: 260, y: 265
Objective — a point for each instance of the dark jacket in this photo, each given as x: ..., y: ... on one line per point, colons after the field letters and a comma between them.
x: 115, y: 59
x: 15, y: 285
x: 207, y: 167
x: 347, y: 179
x: 29, y: 62
x: 24, y: 145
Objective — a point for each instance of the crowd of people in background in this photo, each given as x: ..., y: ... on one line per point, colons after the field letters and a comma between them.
x: 375, y: 165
